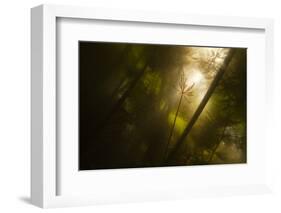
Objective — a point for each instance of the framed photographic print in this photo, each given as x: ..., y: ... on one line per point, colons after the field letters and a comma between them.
x: 133, y: 106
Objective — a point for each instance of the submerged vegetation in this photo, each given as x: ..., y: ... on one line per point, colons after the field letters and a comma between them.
x: 160, y: 105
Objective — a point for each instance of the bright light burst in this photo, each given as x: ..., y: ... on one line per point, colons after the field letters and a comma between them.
x: 196, y: 77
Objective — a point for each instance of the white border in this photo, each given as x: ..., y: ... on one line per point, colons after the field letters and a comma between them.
x: 101, y: 183
x: 43, y: 191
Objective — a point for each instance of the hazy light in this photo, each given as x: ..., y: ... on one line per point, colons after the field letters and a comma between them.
x: 196, y: 77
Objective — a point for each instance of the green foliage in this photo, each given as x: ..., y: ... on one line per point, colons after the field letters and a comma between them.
x: 152, y: 82
x: 180, y: 122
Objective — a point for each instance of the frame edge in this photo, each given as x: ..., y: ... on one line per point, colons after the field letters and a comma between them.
x: 37, y: 106
x: 42, y: 29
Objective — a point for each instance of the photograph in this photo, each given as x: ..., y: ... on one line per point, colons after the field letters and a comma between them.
x: 158, y: 105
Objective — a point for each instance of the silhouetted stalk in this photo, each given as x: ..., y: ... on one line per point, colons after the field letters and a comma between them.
x: 203, y: 103
x: 184, y: 90
x: 122, y: 82
x: 217, y: 145
x: 124, y: 96
x: 173, y: 126
x: 121, y: 100
x: 221, y: 136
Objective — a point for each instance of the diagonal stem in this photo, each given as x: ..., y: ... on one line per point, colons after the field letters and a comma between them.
x: 203, y: 103
x: 217, y: 145
x: 173, y: 126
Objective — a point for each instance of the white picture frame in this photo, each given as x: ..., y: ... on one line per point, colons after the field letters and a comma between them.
x: 44, y: 148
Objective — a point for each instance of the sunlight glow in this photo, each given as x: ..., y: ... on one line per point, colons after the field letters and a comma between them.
x: 196, y: 77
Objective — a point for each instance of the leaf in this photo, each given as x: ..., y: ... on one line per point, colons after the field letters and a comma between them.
x: 190, y: 87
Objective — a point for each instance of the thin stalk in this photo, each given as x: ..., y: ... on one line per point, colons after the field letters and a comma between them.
x: 221, y: 137
x: 173, y: 126
x: 217, y: 145
x: 202, y: 105
x: 121, y: 100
